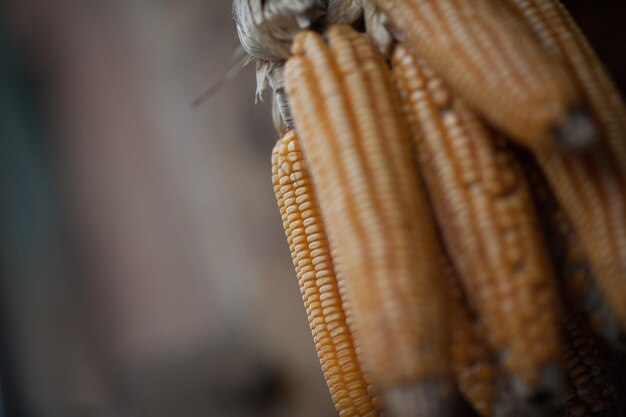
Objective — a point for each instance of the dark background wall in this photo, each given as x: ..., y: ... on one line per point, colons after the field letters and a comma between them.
x: 604, y: 23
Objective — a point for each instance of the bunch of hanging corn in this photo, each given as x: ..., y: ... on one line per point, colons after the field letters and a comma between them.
x: 452, y: 183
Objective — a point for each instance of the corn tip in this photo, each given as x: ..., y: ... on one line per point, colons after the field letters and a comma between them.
x: 425, y: 398
x: 577, y: 132
x: 547, y: 392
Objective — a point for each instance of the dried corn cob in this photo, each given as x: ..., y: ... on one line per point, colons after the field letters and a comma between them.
x: 318, y: 283
x: 474, y: 365
x: 491, y: 60
x: 578, y: 284
x: 592, y: 387
x: 593, y: 391
x: 591, y: 187
x: 560, y: 36
x: 485, y: 212
x: 359, y: 152
x: 479, y: 377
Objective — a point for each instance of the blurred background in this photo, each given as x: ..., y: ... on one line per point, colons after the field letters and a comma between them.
x: 143, y: 266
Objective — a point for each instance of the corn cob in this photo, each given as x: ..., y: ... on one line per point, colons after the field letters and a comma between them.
x: 478, y: 375
x: 578, y: 284
x: 474, y: 365
x: 555, y: 29
x: 593, y: 391
x: 358, y: 149
x: 491, y: 60
x: 318, y: 283
x: 592, y: 385
x: 591, y: 187
x: 485, y: 212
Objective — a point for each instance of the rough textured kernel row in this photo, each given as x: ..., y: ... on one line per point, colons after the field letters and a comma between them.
x: 485, y: 212
x: 318, y: 282
x: 358, y: 150
x: 489, y: 58
x: 590, y: 186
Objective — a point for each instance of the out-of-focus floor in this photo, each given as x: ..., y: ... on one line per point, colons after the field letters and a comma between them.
x: 144, y: 267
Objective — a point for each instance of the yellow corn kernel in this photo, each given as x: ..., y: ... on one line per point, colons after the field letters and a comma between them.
x: 319, y: 285
x: 486, y: 215
x: 490, y: 59
x: 358, y: 150
x: 591, y: 187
